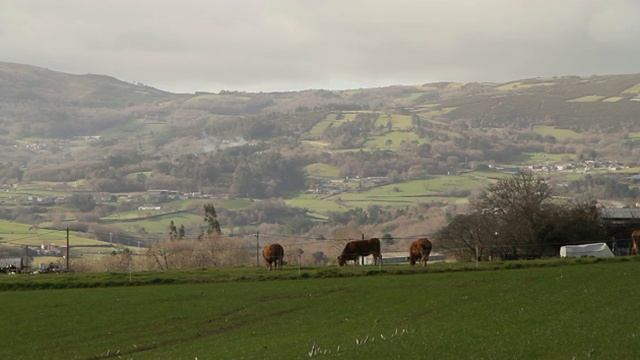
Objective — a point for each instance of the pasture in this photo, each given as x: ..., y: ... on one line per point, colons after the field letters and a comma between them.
x: 393, y: 140
x: 398, y: 122
x: 322, y: 170
x: 557, y: 312
x: 557, y: 133
x: 17, y: 234
x: 588, y: 98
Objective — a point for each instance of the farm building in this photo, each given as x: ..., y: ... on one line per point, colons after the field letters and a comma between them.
x: 619, y: 223
x: 16, y: 263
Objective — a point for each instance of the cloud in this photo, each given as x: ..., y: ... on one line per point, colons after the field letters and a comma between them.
x: 276, y: 45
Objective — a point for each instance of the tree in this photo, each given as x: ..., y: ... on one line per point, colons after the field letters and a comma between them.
x: 211, y: 217
x: 173, y: 231
x: 388, y: 239
x: 83, y: 202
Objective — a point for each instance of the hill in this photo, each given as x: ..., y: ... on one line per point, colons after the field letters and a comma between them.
x: 302, y: 162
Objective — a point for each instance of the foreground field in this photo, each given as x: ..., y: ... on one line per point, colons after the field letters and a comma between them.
x: 560, y: 312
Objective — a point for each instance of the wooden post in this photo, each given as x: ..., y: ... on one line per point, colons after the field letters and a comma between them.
x: 477, y: 255
x: 257, y: 248
x: 362, y: 257
x: 68, y: 249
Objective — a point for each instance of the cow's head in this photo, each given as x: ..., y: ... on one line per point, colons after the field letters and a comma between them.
x: 341, y: 260
x: 411, y: 260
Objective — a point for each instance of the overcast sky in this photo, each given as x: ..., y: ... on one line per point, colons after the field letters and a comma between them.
x: 190, y: 45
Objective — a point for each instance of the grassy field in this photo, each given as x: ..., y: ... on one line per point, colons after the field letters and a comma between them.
x: 520, y: 85
x: 408, y: 193
x: 392, y: 140
x: 160, y: 224
x: 632, y: 90
x: 560, y: 312
x: 613, y: 99
x: 398, y: 122
x: 331, y: 120
x: 588, y: 98
x: 13, y: 233
x: 322, y: 170
x: 538, y: 157
x: 556, y: 132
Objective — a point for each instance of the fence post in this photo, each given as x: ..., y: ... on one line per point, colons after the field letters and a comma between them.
x: 68, y: 249
x: 257, y: 248
x: 477, y: 255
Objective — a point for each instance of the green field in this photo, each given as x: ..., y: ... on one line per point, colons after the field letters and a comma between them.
x: 613, y: 99
x: 588, y: 98
x: 518, y: 85
x: 632, y: 90
x: 160, y: 224
x: 538, y: 157
x: 330, y: 120
x: 557, y: 133
x: 15, y: 234
x: 398, y: 122
x: 562, y: 312
x: 393, y: 140
x: 322, y: 170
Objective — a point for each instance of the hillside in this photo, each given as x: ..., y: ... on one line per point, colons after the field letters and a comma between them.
x: 40, y: 102
x: 88, y: 151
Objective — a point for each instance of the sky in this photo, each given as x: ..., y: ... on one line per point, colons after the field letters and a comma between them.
x: 208, y: 45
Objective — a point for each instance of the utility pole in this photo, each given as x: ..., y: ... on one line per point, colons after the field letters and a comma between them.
x: 257, y: 248
x: 362, y: 257
x: 26, y: 257
x: 68, y: 250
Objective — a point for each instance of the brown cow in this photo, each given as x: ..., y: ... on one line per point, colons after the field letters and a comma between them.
x: 635, y: 240
x: 420, y: 250
x: 357, y: 248
x: 273, y: 254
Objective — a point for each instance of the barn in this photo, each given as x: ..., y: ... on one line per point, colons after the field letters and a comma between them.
x: 11, y: 263
x: 619, y: 223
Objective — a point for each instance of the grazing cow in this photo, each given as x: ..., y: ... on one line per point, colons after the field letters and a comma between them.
x: 357, y: 248
x: 635, y: 240
x: 273, y: 254
x: 420, y: 250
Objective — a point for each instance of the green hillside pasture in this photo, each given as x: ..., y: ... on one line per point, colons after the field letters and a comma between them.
x: 540, y: 157
x: 635, y: 89
x: 16, y: 234
x: 322, y: 170
x: 160, y: 224
x: 613, y: 99
x: 588, y: 98
x: 395, y: 138
x: 319, y: 128
x: 557, y: 133
x: 398, y: 122
x: 315, y: 204
x: 414, y: 192
x: 539, y: 313
x: 518, y: 85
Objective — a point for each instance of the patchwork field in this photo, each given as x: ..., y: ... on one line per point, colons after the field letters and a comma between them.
x: 16, y: 234
x: 393, y: 140
x: 561, y: 312
x: 556, y: 132
x: 322, y: 170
